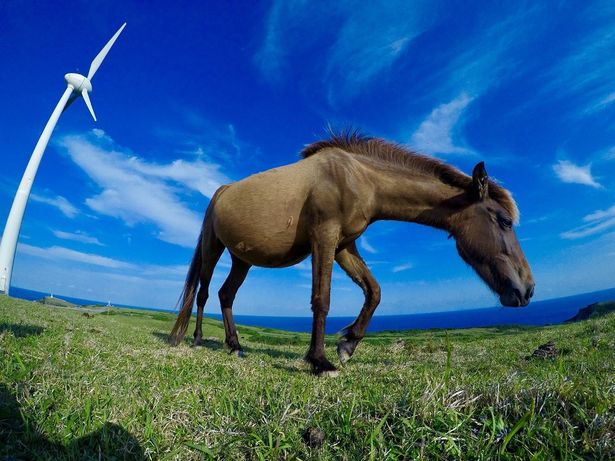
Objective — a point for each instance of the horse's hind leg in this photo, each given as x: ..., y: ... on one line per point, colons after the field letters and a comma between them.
x: 352, y: 263
x: 212, y: 249
x: 239, y: 271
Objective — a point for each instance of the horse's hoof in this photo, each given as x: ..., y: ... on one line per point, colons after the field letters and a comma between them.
x: 345, y: 349
x: 324, y: 368
x: 197, y: 342
x: 239, y: 353
x: 329, y: 373
x: 343, y: 356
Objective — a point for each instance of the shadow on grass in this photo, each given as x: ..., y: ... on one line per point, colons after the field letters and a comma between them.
x: 275, y: 353
x: 209, y: 343
x: 305, y: 369
x: 20, y: 438
x: 217, y: 344
x: 21, y: 330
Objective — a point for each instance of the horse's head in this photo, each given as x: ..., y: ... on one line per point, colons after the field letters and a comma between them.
x: 486, y: 240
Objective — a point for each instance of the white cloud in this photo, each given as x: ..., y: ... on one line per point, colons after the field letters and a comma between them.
x: 365, y: 245
x: 483, y: 60
x: 570, y: 173
x: 596, y: 223
x: 402, y: 267
x: 62, y: 204
x: 197, y: 137
x: 57, y: 254
x: 304, y: 266
x: 99, y: 133
x: 606, y: 101
x: 67, y: 254
x: 77, y: 236
x: 48, y: 270
x: 138, y: 191
x: 198, y: 175
x: 435, y: 134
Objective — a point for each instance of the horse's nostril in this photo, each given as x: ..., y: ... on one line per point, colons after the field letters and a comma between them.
x: 529, y: 293
x: 518, y: 295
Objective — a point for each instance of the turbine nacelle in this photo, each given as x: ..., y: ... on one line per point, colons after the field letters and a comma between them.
x: 81, y: 86
x: 78, y: 82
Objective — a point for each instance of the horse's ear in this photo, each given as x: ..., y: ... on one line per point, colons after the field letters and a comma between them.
x: 480, y: 181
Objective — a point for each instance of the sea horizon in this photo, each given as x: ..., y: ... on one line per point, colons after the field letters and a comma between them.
x: 538, y: 313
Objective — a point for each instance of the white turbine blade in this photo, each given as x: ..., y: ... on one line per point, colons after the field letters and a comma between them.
x: 99, y: 58
x: 88, y: 103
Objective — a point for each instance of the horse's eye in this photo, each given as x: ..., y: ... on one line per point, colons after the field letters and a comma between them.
x: 505, y: 222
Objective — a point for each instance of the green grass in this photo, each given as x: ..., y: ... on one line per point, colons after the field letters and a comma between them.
x: 108, y: 386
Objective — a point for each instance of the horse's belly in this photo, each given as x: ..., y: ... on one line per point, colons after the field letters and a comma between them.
x: 262, y: 231
x: 258, y: 257
x: 261, y: 247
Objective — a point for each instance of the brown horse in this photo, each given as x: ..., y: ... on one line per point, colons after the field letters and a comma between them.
x: 323, y: 203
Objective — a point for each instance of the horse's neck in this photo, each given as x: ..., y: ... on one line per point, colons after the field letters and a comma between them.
x: 415, y: 197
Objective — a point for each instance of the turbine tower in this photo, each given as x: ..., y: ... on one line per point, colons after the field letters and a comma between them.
x: 77, y: 85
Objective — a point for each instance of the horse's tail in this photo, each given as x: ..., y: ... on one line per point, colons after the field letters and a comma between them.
x: 187, y: 297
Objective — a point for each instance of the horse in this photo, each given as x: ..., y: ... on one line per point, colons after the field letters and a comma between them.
x: 322, y: 203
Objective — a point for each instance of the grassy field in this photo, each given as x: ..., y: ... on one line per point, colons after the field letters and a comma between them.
x: 107, y: 386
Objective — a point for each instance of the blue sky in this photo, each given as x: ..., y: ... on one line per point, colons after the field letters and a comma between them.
x: 197, y: 94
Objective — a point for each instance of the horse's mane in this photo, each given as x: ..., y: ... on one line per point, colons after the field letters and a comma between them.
x: 399, y: 156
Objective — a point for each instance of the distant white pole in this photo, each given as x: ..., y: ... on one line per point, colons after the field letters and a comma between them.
x: 77, y: 85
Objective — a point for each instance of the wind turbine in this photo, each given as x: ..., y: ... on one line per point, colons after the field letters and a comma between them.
x: 77, y: 85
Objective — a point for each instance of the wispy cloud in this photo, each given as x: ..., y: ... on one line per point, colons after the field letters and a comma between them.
x: 372, y: 38
x: 493, y: 55
x: 361, y: 39
x: 61, y: 203
x: 595, y: 223
x: 609, y: 99
x: 482, y: 61
x: 77, y: 236
x: 365, y: 245
x: 88, y: 275
x: 586, y: 72
x: 199, y: 137
x: 402, y: 267
x: 570, y: 173
x: 490, y: 55
x: 67, y: 254
x: 435, y: 135
x: 58, y: 253
x: 271, y: 55
x: 137, y: 191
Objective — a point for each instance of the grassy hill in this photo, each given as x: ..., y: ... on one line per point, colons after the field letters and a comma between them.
x: 58, y: 302
x: 107, y: 385
x: 593, y: 310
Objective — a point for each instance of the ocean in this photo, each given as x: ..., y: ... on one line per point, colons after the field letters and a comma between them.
x: 547, y: 312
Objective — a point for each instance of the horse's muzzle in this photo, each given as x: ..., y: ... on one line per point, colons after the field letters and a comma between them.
x: 515, y: 296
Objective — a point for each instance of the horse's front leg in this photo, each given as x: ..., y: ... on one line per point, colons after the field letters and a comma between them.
x: 350, y: 260
x: 324, y: 243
